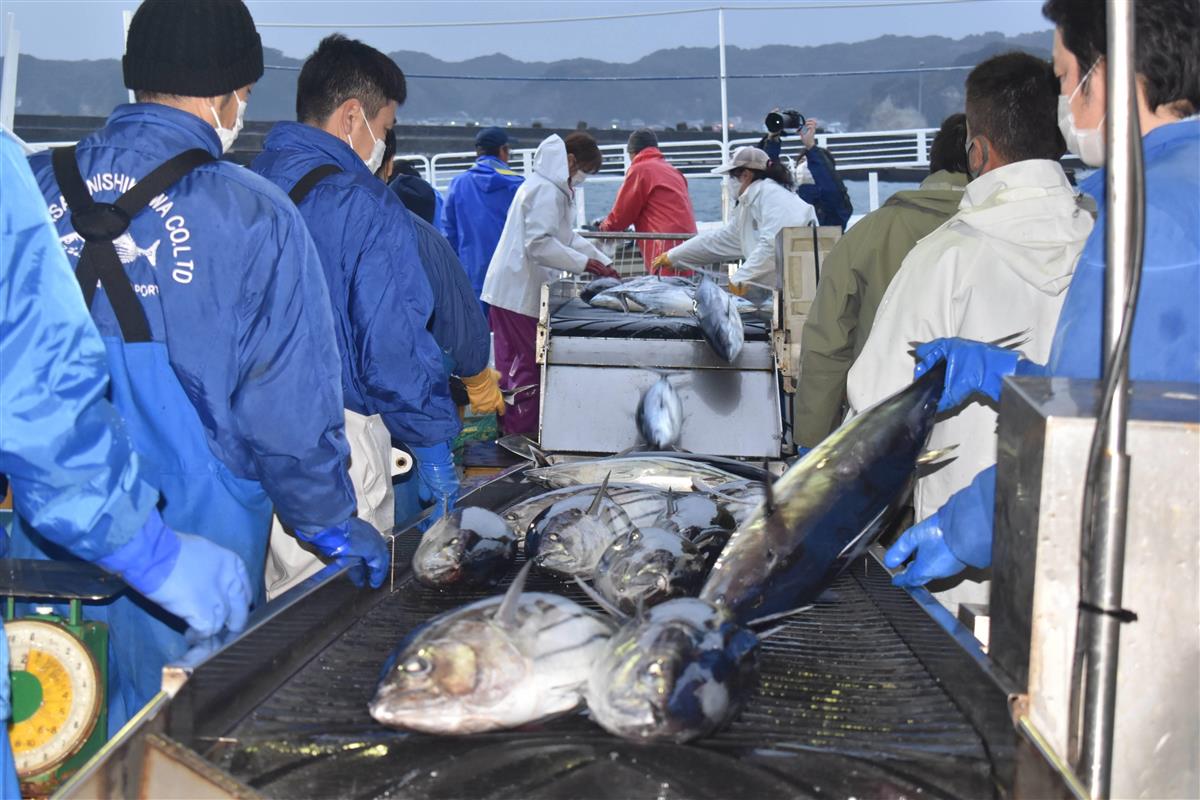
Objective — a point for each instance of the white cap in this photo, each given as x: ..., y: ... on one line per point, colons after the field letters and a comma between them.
x: 748, y: 157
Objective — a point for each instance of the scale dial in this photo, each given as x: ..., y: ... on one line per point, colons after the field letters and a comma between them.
x: 46, y: 658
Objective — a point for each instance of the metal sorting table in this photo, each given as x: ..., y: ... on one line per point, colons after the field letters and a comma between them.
x: 865, y: 696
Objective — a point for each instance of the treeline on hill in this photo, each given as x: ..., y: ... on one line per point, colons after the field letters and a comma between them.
x: 862, y: 102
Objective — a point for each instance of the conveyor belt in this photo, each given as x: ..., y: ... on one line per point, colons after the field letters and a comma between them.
x: 577, y: 318
x: 864, y: 696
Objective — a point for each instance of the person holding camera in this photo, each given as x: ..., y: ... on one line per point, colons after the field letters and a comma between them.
x: 817, y: 180
x: 765, y: 203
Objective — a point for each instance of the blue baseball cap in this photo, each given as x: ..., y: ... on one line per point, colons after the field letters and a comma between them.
x: 489, y: 138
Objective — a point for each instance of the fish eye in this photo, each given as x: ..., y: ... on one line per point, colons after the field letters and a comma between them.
x: 453, y: 542
x: 553, y: 537
x: 417, y: 665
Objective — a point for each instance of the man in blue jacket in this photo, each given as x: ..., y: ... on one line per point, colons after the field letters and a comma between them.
x: 207, y: 292
x: 1166, y: 330
x: 477, y: 205
x: 73, y: 472
x: 392, y: 374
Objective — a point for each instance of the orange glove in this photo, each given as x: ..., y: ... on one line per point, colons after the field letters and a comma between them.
x: 660, y: 262
x: 738, y: 289
x: 484, y: 391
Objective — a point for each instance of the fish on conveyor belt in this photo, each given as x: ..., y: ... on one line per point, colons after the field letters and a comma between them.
x: 646, y: 566
x: 668, y: 297
x: 468, y: 547
x: 642, y: 504
x: 498, y: 663
x: 705, y: 519
x: 678, y: 673
x: 596, y: 287
x: 652, y: 469
x: 660, y: 415
x: 569, y: 537
x: 719, y: 320
x: 828, y: 507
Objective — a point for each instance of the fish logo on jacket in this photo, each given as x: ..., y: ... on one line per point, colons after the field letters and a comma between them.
x: 127, y: 249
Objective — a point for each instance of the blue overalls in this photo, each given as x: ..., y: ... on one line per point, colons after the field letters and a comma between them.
x: 199, y: 493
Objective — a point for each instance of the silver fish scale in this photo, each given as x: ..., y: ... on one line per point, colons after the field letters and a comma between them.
x: 662, y: 472
x: 642, y: 504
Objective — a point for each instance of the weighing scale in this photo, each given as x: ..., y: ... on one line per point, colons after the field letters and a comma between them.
x: 59, y: 668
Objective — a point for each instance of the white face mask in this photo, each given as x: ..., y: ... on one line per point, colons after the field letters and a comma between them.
x: 375, y: 160
x: 229, y: 135
x: 1087, y: 143
x: 577, y: 179
x: 733, y: 186
x: 803, y: 174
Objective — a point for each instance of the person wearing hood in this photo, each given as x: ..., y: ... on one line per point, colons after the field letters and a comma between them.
x: 392, y: 376
x: 477, y: 204
x: 219, y: 341
x: 1001, y: 265
x: 765, y: 204
x: 1165, y: 343
x: 858, y: 271
x: 537, y: 245
x: 653, y: 199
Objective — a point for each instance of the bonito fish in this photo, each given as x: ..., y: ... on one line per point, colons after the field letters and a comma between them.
x: 669, y: 297
x: 468, y: 547
x: 495, y: 664
x: 569, y: 537
x: 659, y: 471
x: 660, y: 415
x: 643, y: 504
x: 828, y: 508
x: 719, y: 320
x: 647, y: 566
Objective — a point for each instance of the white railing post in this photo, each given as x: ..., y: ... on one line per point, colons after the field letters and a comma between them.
x: 922, y: 147
x: 8, y: 81
x: 873, y: 189
x: 126, y: 19
x: 580, y: 208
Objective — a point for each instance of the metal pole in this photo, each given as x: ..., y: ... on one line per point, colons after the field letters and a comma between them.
x: 8, y: 81
x: 126, y: 18
x: 724, y: 108
x: 1106, y: 559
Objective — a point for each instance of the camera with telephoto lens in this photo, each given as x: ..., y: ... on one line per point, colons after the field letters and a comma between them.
x: 778, y: 121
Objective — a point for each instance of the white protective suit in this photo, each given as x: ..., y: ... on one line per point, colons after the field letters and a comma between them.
x: 761, y: 211
x: 999, y: 266
x: 539, y: 241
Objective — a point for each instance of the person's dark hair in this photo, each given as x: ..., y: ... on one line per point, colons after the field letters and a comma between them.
x: 342, y: 69
x: 775, y: 171
x: 386, y: 168
x: 1166, y: 33
x: 587, y: 153
x: 640, y: 139
x: 948, y: 151
x: 1012, y: 99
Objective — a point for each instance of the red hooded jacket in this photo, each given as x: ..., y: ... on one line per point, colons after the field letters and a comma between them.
x: 653, y: 199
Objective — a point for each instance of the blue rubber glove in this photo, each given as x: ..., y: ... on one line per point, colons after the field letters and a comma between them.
x: 934, y: 559
x: 198, y: 581
x: 970, y: 367
x: 439, y: 478
x: 356, y: 544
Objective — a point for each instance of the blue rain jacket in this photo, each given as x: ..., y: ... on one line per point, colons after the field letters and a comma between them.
x: 240, y: 328
x: 474, y: 213
x: 381, y: 300
x: 458, y: 324
x: 1166, y: 327
x: 826, y: 194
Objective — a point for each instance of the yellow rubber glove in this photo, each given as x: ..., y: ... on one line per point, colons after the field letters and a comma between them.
x: 738, y: 289
x: 484, y: 391
x: 660, y: 262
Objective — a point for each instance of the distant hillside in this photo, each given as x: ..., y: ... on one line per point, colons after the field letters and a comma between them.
x: 870, y: 102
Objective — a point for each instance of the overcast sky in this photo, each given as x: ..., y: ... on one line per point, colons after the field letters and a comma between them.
x: 81, y: 29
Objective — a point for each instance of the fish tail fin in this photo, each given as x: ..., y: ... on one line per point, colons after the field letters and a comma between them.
x: 935, y: 456
x: 151, y: 253
x: 599, y: 599
x: 506, y: 615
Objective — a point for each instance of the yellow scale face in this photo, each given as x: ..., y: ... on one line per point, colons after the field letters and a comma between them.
x: 70, y: 703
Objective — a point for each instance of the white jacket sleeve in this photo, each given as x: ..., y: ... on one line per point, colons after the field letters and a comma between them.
x: 919, y: 305
x: 710, y: 247
x: 587, y: 248
x: 759, y: 266
x: 544, y: 224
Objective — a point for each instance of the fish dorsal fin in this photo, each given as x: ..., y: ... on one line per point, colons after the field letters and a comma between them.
x: 934, y: 456
x: 776, y: 617
x: 594, y: 508
x: 599, y: 600
x: 539, y: 455
x: 506, y: 614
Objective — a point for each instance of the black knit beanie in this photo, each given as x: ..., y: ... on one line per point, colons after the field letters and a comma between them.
x: 193, y: 48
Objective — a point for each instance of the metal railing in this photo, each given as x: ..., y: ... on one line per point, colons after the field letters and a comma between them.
x: 625, y: 248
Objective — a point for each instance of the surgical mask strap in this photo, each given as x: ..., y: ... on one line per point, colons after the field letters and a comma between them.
x: 984, y: 147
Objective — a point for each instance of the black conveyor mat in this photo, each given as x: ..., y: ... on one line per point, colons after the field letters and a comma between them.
x: 577, y: 318
x: 844, y: 707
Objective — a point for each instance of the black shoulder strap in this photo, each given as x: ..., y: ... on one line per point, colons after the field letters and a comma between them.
x: 101, y: 223
x: 311, y: 179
